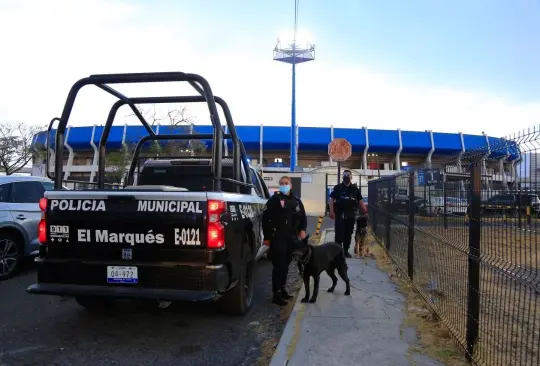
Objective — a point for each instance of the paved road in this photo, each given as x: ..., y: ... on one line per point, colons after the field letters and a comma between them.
x: 48, y: 330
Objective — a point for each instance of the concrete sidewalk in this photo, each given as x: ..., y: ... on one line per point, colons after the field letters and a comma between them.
x: 362, y: 329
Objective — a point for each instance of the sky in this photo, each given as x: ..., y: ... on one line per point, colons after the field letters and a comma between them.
x: 449, y: 66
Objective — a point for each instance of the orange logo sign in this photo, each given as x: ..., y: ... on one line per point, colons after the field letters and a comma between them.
x: 339, y: 149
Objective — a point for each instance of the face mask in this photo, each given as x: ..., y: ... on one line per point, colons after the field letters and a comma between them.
x: 284, y: 189
x: 346, y: 179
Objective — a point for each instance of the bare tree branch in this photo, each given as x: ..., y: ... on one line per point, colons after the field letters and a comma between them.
x: 179, y: 117
x: 16, y: 145
x: 177, y: 120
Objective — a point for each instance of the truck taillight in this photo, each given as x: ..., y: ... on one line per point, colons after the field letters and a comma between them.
x: 42, y: 227
x: 42, y: 231
x: 43, y: 204
x: 216, y: 231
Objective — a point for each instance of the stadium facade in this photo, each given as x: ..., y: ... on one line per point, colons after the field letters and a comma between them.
x: 375, y: 153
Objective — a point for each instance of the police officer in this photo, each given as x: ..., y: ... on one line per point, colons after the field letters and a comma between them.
x: 345, y: 200
x: 284, y: 220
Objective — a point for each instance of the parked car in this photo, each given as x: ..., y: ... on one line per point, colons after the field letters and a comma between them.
x: 511, y: 204
x: 401, y: 204
x: 19, y: 218
x: 454, y: 206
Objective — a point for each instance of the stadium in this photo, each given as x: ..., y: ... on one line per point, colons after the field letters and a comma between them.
x: 375, y: 153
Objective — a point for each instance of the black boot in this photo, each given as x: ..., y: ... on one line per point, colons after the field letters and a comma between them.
x: 285, y: 295
x: 347, y: 254
x: 278, y: 299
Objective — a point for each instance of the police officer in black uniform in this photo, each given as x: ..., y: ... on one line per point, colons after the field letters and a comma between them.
x: 345, y: 200
x: 284, y: 220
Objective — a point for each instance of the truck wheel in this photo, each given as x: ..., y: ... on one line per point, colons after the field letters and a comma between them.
x: 237, y: 301
x: 94, y: 303
x: 11, y: 255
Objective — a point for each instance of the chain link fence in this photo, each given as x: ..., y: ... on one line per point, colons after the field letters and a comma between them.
x: 466, y: 233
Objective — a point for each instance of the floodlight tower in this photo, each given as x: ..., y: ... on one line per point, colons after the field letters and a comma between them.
x: 294, y: 54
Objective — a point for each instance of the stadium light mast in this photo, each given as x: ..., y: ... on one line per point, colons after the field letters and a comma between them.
x: 293, y: 54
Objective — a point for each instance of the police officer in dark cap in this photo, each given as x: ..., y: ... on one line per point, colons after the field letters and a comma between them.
x: 345, y: 201
x: 283, y: 221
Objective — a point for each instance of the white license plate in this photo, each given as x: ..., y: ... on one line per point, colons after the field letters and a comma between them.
x: 122, y: 274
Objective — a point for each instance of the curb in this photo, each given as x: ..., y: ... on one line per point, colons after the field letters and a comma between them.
x: 287, y: 343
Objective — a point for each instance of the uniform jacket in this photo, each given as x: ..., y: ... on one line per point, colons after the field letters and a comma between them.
x: 283, y: 215
x: 347, y: 198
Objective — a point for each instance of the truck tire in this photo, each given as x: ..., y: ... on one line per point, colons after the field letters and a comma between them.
x: 237, y: 301
x: 94, y: 304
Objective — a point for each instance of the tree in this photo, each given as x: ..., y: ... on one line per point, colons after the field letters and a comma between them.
x: 16, y: 149
x: 117, y: 164
x: 179, y: 122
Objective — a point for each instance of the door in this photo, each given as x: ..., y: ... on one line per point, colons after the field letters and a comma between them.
x: 261, y: 196
x: 24, y: 207
x: 297, y: 186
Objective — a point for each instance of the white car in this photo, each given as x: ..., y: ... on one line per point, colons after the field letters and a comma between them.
x: 454, y: 206
x: 19, y: 218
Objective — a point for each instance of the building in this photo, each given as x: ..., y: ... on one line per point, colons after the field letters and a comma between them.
x: 376, y: 153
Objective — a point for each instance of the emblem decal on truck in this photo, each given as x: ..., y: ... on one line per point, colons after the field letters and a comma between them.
x: 127, y: 254
x: 169, y: 206
x: 78, y: 205
x: 105, y: 236
x: 234, y: 215
x: 247, y: 211
x: 59, y: 233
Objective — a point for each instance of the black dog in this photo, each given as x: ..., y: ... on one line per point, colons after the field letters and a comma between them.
x: 317, y: 258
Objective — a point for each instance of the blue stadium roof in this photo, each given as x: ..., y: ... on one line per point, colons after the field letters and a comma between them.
x: 309, y: 139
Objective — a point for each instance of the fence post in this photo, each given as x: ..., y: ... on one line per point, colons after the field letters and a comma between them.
x: 388, y: 221
x: 373, y: 205
x: 445, y: 201
x: 326, y: 198
x: 410, y: 246
x: 473, y: 296
x: 519, y: 208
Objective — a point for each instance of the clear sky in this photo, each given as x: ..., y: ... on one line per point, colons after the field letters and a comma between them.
x: 449, y: 66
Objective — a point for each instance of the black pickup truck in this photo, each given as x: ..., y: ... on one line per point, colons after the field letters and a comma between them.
x: 181, y: 229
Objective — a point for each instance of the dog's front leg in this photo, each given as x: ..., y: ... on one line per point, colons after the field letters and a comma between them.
x: 315, y: 288
x: 306, y: 287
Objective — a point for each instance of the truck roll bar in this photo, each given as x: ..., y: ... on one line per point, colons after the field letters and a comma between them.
x: 199, y: 83
x: 238, y: 146
x: 47, y: 141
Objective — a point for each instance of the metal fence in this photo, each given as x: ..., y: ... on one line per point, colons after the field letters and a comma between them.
x: 466, y: 233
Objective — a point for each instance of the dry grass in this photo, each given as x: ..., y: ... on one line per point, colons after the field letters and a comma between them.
x: 435, y: 338
x: 267, y: 349
x: 509, y: 318
x: 501, y: 242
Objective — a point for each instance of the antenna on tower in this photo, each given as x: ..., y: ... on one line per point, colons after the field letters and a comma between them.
x: 294, y: 54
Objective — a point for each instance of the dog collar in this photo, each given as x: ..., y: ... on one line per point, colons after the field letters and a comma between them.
x: 307, y: 257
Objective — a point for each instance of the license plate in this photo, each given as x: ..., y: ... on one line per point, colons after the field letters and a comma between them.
x: 122, y: 274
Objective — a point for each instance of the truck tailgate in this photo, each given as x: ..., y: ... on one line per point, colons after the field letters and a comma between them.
x: 114, y: 226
